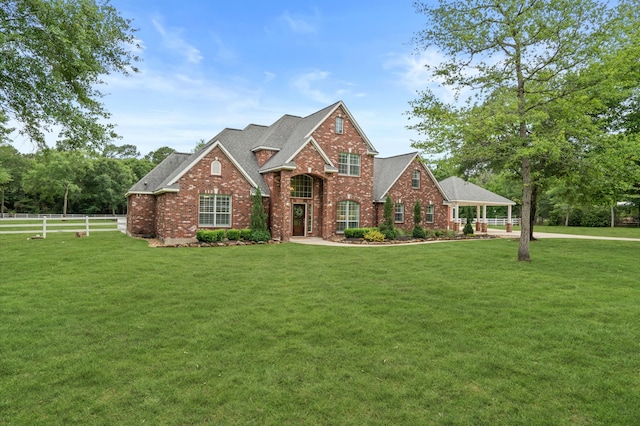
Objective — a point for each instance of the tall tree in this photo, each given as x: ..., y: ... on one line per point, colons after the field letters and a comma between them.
x: 54, y: 54
x: 519, y: 60
x: 56, y: 175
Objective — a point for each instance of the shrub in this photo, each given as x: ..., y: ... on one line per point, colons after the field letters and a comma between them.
x: 374, y: 235
x: 468, y: 228
x: 356, y: 232
x: 596, y: 217
x: 418, y: 232
x: 233, y: 234
x: 245, y: 234
x: 210, y: 236
x: 258, y: 215
x: 387, y: 227
x: 259, y: 236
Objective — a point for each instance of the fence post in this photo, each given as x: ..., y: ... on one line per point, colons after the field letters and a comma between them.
x: 44, y: 227
x: 86, y: 219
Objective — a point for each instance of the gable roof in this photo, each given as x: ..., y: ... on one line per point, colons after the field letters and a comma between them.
x: 462, y: 192
x: 287, y: 136
x: 158, y: 177
x: 387, y: 171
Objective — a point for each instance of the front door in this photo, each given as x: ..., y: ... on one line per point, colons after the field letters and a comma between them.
x: 299, y: 215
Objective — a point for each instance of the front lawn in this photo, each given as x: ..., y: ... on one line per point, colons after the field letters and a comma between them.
x: 104, y: 330
x: 618, y: 232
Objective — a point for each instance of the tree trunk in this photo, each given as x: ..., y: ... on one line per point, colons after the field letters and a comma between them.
x: 566, y: 218
x: 613, y: 216
x: 2, y: 204
x: 525, y: 233
x: 534, y: 210
x: 64, y: 204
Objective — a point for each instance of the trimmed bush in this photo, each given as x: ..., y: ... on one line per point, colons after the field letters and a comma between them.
x: 374, y: 235
x: 245, y: 234
x: 233, y: 234
x: 356, y: 232
x: 468, y: 228
x: 210, y: 236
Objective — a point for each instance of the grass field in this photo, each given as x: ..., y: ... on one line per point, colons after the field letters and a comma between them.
x: 104, y: 330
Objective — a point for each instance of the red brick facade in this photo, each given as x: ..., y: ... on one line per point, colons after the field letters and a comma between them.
x: 427, y: 193
x: 172, y: 214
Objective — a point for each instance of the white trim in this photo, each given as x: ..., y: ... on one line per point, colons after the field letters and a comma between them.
x: 130, y: 193
x: 277, y: 168
x: 265, y: 148
x: 204, y: 153
x: 163, y: 190
x: 313, y: 142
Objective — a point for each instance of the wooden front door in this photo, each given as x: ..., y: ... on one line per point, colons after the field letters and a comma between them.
x: 299, y: 214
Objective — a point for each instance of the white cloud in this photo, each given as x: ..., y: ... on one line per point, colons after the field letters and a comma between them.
x: 172, y: 39
x: 317, y: 86
x: 299, y: 25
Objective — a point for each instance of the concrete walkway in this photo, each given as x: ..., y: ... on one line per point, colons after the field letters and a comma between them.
x: 500, y: 233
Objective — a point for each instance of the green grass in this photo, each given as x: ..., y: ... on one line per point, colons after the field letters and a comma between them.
x: 104, y: 330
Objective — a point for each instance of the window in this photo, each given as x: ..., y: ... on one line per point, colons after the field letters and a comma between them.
x: 215, y: 210
x: 339, y: 125
x: 302, y: 186
x: 349, y: 164
x: 430, y: 210
x: 216, y: 168
x: 415, y: 179
x: 348, y: 215
x: 399, y: 213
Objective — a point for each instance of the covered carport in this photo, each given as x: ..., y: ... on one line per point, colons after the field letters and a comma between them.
x: 462, y: 193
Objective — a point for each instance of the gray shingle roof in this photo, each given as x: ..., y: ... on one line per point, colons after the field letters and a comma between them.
x: 288, y: 135
x: 156, y: 178
x: 460, y: 191
x: 386, y: 171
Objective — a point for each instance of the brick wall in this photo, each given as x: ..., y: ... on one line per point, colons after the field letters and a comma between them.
x: 141, y: 215
x: 177, y: 213
x: 428, y: 193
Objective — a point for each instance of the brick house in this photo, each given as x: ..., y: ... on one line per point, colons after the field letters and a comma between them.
x: 318, y: 175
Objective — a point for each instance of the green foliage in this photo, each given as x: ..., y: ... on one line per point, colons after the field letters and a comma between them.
x: 233, y: 234
x: 387, y: 227
x: 541, y: 73
x: 374, y: 235
x: 468, y: 228
x: 65, y: 48
x: 258, y: 215
x: 418, y: 232
x: 210, y: 235
x: 417, y: 213
x: 156, y: 157
x: 245, y: 234
x: 356, y: 232
x: 260, y: 236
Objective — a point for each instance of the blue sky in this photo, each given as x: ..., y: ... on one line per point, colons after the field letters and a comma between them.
x: 208, y: 65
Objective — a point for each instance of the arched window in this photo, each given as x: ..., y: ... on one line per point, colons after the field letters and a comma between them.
x: 216, y: 168
x: 348, y: 215
x: 302, y: 186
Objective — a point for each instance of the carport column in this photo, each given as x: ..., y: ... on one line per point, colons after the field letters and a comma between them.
x: 509, y: 224
x: 478, y: 218
x: 484, y: 218
x: 456, y: 218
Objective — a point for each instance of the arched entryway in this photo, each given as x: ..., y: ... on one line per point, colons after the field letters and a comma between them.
x: 306, y: 197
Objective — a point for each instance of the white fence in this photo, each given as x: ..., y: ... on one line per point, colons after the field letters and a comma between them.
x: 57, y: 223
x: 495, y: 221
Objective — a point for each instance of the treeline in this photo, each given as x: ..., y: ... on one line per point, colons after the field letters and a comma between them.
x: 70, y: 181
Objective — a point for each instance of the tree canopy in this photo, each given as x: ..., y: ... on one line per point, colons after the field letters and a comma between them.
x: 528, y: 77
x: 54, y: 54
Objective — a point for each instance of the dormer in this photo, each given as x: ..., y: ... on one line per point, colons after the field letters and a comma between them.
x: 264, y: 153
